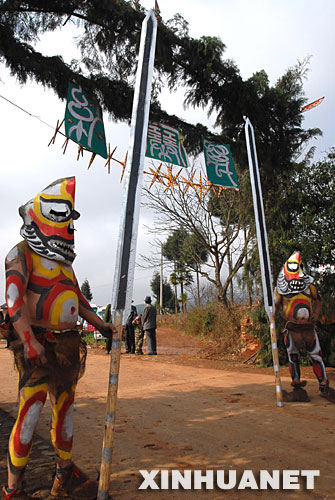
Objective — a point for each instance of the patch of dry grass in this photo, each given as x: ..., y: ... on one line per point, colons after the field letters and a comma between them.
x: 214, y: 322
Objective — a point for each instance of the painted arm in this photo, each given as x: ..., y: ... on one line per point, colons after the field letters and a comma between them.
x: 86, y: 312
x: 18, y: 269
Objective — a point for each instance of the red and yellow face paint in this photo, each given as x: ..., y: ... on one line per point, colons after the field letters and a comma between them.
x: 53, y: 212
x: 48, y: 221
x: 292, y: 278
x: 292, y: 267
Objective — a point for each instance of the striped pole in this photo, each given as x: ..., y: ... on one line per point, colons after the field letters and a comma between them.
x: 263, y: 250
x: 275, y: 358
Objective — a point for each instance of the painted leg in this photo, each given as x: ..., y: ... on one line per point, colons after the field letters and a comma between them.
x: 293, y: 358
x: 298, y: 394
x: 320, y: 371
x: 32, y: 398
x: 319, y: 368
x: 69, y: 480
x: 62, y: 424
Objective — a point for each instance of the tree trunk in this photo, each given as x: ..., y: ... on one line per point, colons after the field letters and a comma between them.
x: 230, y: 270
x: 249, y: 288
x: 182, y: 296
x: 198, y: 287
x: 222, y: 295
x: 249, y: 291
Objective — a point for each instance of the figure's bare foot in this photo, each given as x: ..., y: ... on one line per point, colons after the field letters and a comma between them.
x: 72, y: 482
x: 297, y: 384
x: 15, y: 494
x: 327, y: 392
x: 297, y: 395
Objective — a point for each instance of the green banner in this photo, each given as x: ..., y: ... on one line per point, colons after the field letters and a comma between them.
x: 83, y: 121
x: 164, y: 143
x: 219, y: 165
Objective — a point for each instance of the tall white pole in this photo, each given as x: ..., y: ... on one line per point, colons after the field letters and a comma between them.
x: 263, y: 250
x: 128, y: 231
x: 126, y: 245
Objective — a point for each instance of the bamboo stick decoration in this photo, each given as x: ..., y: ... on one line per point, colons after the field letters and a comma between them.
x: 58, y: 126
x: 91, y: 160
x: 111, y: 404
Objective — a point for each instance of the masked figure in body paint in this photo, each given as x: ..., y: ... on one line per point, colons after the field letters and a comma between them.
x: 300, y: 306
x: 44, y: 301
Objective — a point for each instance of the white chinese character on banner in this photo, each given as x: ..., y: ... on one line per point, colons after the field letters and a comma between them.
x: 218, y: 156
x: 81, y: 104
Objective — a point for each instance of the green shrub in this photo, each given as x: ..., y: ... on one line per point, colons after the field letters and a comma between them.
x: 326, y: 334
x: 200, y: 321
x: 90, y: 340
x: 261, y: 328
x: 213, y: 321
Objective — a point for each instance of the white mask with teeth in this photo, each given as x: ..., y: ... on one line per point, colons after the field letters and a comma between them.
x: 292, y: 279
x: 48, y: 221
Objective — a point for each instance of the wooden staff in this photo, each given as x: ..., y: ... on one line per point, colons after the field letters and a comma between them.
x: 108, y: 441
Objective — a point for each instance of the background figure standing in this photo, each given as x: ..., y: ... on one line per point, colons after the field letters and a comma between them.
x: 130, y: 334
x: 5, y: 325
x: 139, y: 335
x: 149, y: 325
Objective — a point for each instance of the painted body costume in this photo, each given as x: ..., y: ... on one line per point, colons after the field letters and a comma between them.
x: 44, y: 301
x: 300, y: 306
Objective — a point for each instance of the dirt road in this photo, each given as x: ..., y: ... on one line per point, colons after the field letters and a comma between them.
x: 179, y: 411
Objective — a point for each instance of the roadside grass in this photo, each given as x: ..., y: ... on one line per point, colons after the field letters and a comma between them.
x: 214, y: 322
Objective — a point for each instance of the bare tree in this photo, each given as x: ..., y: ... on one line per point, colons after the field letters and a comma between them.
x: 217, y: 222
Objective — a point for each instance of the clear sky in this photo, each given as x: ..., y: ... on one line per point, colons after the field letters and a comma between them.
x: 260, y: 34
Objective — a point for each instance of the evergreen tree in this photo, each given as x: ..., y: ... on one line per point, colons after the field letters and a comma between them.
x: 168, y: 295
x: 195, y: 254
x: 174, y: 282
x: 108, y: 36
x: 86, y: 290
x: 313, y: 219
x: 174, y: 250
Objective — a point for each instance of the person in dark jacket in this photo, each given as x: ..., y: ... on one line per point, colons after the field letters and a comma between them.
x: 149, y: 326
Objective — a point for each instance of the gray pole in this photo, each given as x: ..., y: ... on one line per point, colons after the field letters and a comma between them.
x: 263, y: 249
x: 126, y: 248
x: 126, y: 245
